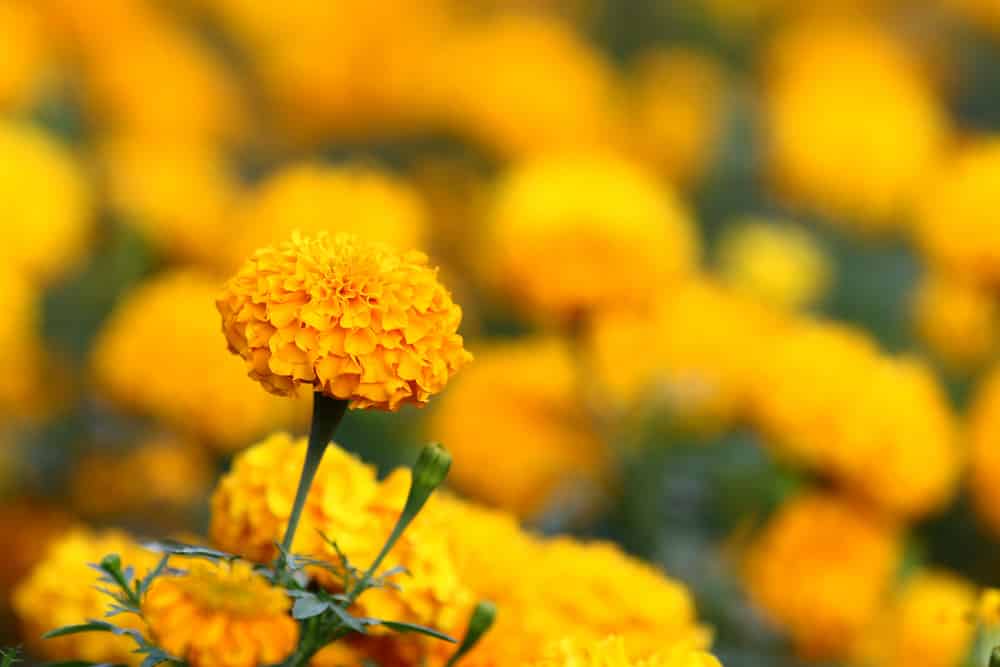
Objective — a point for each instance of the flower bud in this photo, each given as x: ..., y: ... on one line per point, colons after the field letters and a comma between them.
x: 111, y: 563
x: 430, y: 469
x: 479, y: 623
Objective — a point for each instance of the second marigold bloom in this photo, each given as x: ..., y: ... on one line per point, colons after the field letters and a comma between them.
x: 355, y: 320
x: 221, y: 614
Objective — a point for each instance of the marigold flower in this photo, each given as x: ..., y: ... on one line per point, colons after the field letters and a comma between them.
x: 311, y: 198
x: 162, y: 473
x: 957, y: 319
x: 701, y: 345
x: 984, y: 455
x: 676, y: 99
x: 575, y: 233
x: 781, y: 265
x: 62, y: 590
x: 837, y: 90
x: 353, y: 319
x: 881, y: 426
x: 48, y: 216
x: 21, y: 364
x: 955, y: 226
x: 930, y: 622
x: 177, y: 193
x: 251, y: 506
x: 522, y: 398
x: 611, y: 652
x: 819, y: 570
x: 161, y: 338
x: 25, y: 55
x: 547, y: 90
x: 221, y: 615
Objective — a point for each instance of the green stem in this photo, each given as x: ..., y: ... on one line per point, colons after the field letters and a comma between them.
x: 327, y: 414
x: 397, y: 531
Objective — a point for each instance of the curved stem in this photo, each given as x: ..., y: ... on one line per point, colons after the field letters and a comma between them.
x: 327, y: 414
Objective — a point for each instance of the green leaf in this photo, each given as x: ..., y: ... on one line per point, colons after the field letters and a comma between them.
x: 354, y: 623
x: 400, y: 626
x: 307, y: 607
x: 92, y: 626
x: 173, y: 548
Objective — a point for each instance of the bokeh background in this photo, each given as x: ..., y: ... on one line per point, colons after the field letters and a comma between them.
x: 729, y: 269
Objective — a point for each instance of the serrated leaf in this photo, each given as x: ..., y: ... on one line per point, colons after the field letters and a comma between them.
x: 353, y: 622
x: 307, y: 607
x: 400, y: 626
x: 92, y: 626
x: 170, y: 547
x: 153, y: 574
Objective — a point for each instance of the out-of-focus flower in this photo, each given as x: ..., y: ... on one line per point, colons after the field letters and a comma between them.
x: 21, y: 359
x: 700, y: 345
x: 676, y: 101
x: 47, y: 210
x: 353, y: 319
x: 781, y: 265
x: 221, y: 615
x: 930, y: 622
x: 343, y: 69
x: 25, y: 54
x: 119, y: 66
x: 27, y: 528
x: 159, y: 474
x: 63, y: 590
x: 852, y: 124
x: 956, y: 225
x: 347, y: 504
x: 984, y: 12
x: 957, y: 319
x: 160, y: 354
x: 612, y: 652
x: 177, y: 193
x: 524, y: 399
x: 880, y: 426
x: 311, y: 198
x: 525, y: 84
x: 574, y: 233
x: 820, y: 571
x: 984, y: 456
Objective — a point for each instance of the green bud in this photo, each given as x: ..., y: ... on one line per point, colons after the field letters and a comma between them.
x: 995, y: 657
x: 430, y: 469
x: 479, y: 624
x: 111, y: 563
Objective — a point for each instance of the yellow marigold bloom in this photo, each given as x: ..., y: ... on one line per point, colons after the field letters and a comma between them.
x: 353, y: 319
x: 879, y: 425
x: 988, y: 607
x: 984, y: 456
x: 955, y: 225
x: 574, y: 233
x: 525, y: 399
x: 781, y: 265
x: 177, y: 193
x: 21, y: 359
x: 48, y: 217
x: 837, y: 91
x: 160, y: 474
x: 25, y: 54
x: 930, y: 622
x: 250, y: 512
x: 546, y: 89
x: 611, y: 652
x: 221, y: 615
x: 311, y: 198
x: 957, y: 319
x: 159, y: 354
x: 819, y: 570
x: 676, y: 111
x: 62, y: 590
x: 700, y: 345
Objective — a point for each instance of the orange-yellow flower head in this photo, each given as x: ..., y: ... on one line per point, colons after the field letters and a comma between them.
x: 352, y: 319
x: 819, y: 571
x: 984, y: 454
x: 852, y: 122
x: 63, y: 590
x: 221, y: 615
x: 957, y: 319
x: 572, y: 233
x: 613, y: 652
